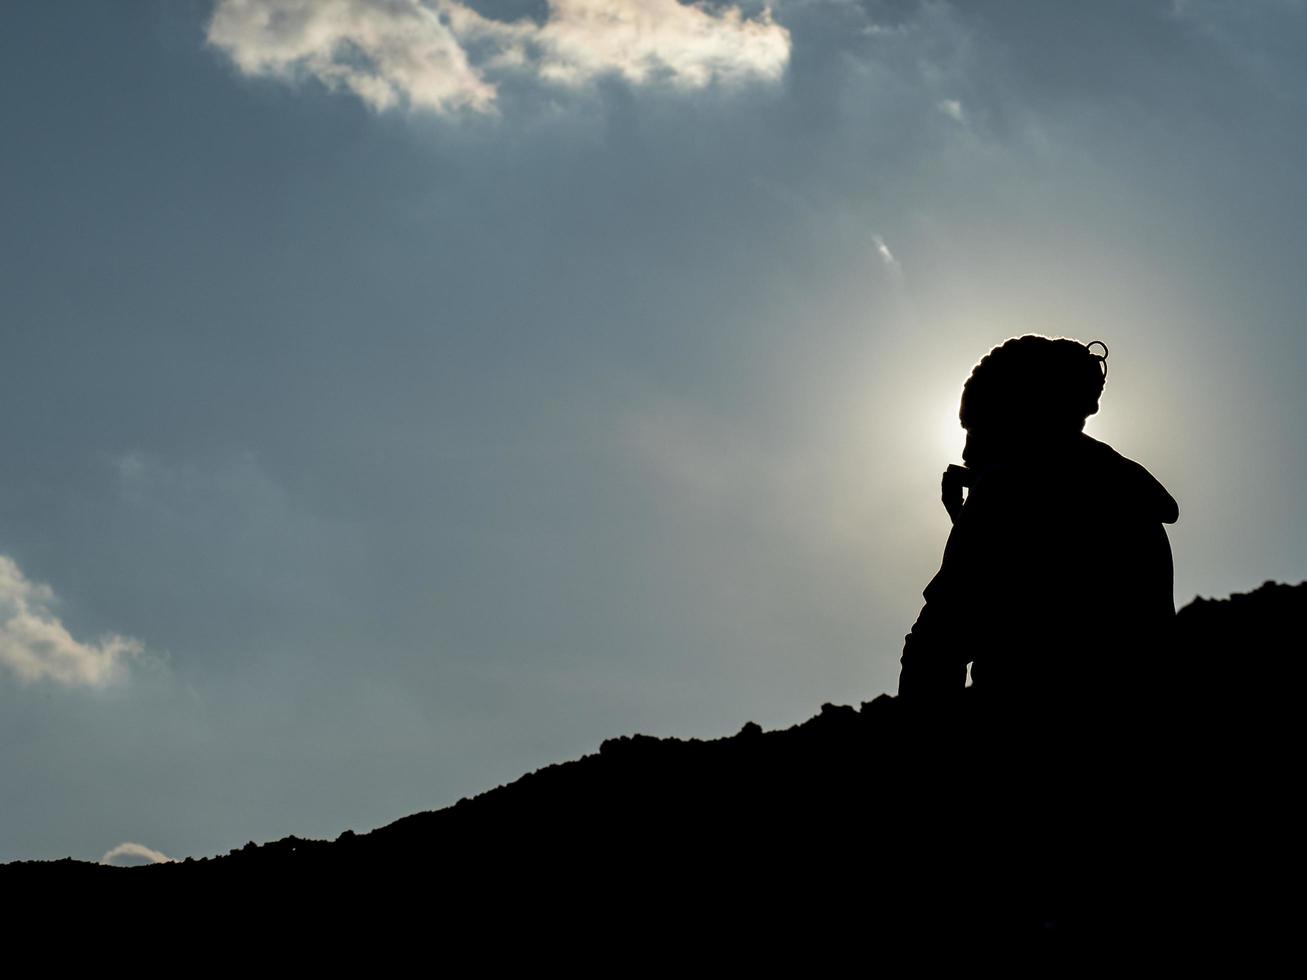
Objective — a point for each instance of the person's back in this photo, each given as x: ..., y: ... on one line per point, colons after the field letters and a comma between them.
x: 1072, y: 575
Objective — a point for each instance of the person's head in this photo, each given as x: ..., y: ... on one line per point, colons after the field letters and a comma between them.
x: 1030, y: 392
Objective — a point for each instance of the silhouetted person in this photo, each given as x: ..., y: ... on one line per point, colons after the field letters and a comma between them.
x: 1056, y: 583
x: 1056, y: 587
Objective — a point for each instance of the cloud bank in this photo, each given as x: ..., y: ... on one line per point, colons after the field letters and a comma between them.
x: 442, y: 56
x: 130, y: 855
x: 35, y: 646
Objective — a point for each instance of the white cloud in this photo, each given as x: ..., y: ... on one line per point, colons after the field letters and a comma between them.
x: 442, y: 56
x: 640, y: 39
x: 381, y: 50
x: 886, y: 256
x: 127, y: 855
x: 35, y: 646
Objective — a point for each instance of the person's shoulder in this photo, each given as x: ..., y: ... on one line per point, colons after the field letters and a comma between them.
x: 1129, y: 484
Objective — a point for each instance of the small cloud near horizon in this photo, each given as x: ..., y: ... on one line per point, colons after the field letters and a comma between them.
x: 130, y: 855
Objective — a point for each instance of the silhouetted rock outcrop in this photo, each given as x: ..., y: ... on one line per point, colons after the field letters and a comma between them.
x: 862, y: 825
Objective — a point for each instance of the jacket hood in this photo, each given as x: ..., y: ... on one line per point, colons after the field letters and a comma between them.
x: 1131, y: 484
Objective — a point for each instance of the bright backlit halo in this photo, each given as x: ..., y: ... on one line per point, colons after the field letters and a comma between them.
x: 950, y: 437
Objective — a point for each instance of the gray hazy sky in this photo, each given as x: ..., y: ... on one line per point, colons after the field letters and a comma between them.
x: 397, y: 397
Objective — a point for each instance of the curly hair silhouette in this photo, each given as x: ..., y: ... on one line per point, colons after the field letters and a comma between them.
x: 1034, y: 382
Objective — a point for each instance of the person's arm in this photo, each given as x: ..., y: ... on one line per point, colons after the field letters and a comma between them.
x: 934, y: 662
x: 936, y: 651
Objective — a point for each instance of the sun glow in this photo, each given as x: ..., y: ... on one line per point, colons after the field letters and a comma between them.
x: 949, y: 436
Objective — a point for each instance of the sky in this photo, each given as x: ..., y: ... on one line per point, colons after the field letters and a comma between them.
x: 397, y: 396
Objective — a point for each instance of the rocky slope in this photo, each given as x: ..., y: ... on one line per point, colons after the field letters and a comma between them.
x: 880, y: 821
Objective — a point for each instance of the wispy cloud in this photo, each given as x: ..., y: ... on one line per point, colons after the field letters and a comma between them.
x: 35, y: 645
x: 128, y: 854
x: 812, y: 495
x: 886, y: 256
x: 442, y: 56
x: 953, y: 109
